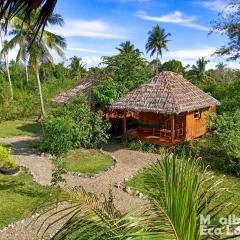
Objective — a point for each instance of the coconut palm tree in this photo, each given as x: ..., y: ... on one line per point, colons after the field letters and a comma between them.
x: 179, y: 192
x: 200, y: 69
x: 77, y: 67
x: 5, y: 57
x: 23, y: 35
x: 157, y: 41
x: 11, y: 8
x: 127, y: 47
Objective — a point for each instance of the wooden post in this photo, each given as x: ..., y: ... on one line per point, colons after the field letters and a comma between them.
x: 172, y: 128
x: 125, y: 123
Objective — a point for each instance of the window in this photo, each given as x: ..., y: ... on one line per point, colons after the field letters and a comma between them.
x: 197, y: 115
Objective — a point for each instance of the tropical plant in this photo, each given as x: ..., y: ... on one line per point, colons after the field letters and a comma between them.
x: 5, y: 57
x: 127, y: 47
x: 6, y: 160
x: 23, y: 35
x: 225, y: 137
x: 228, y: 24
x: 199, y: 71
x: 77, y: 67
x: 157, y: 41
x: 58, y: 138
x: 127, y: 70
x: 179, y: 192
x: 221, y: 71
x: 173, y: 66
x: 11, y: 8
x: 105, y: 92
x: 74, y: 126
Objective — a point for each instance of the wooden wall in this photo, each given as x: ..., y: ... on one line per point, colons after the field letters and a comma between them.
x: 197, y: 127
x: 152, y: 118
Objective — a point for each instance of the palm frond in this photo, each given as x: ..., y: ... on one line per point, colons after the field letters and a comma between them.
x: 11, y: 8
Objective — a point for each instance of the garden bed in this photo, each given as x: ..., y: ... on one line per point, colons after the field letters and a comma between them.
x: 87, y: 161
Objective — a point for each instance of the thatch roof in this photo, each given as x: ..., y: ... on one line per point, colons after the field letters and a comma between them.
x: 84, y: 87
x: 168, y: 93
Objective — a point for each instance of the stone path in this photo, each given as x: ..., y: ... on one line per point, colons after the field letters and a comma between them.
x: 128, y: 163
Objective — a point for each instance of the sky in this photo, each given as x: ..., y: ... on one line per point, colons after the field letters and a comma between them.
x: 94, y: 28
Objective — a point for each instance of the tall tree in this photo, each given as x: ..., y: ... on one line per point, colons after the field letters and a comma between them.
x: 200, y: 69
x: 11, y: 8
x: 228, y: 24
x: 77, y: 67
x: 127, y: 47
x: 5, y: 57
x: 23, y: 35
x: 157, y: 41
x: 173, y: 66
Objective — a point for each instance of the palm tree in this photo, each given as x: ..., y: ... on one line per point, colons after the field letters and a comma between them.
x: 200, y: 69
x: 179, y: 192
x: 23, y: 35
x: 11, y: 8
x: 127, y: 47
x: 77, y: 67
x: 157, y: 41
x: 5, y: 57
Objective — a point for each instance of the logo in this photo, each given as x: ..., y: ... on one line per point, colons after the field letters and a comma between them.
x: 224, y: 226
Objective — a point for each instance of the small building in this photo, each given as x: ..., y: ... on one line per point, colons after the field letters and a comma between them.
x: 168, y: 110
x: 82, y: 87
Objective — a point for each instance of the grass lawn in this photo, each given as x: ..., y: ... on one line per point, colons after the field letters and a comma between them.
x: 19, y: 128
x: 20, y: 196
x: 87, y: 161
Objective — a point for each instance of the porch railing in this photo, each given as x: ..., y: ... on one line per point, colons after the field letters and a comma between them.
x: 163, y: 133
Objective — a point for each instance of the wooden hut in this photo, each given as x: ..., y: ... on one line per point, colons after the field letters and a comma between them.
x: 82, y: 87
x: 168, y: 109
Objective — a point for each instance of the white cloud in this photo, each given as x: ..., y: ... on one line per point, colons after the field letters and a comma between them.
x: 214, y: 5
x: 191, y: 54
x: 92, y: 29
x: 87, y: 50
x: 218, y: 6
x: 92, y: 61
x: 175, y: 18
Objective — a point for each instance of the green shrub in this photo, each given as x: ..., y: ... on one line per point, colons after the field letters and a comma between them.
x: 105, y: 92
x: 225, y: 136
x: 59, y: 134
x: 6, y: 160
x: 74, y: 126
x: 99, y: 129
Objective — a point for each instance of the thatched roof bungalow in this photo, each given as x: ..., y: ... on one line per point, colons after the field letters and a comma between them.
x: 82, y: 87
x: 169, y: 109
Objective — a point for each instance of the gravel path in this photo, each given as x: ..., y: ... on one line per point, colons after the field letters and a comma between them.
x: 128, y: 163
x: 26, y: 156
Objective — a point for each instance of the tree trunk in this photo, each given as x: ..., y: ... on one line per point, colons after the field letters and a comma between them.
x: 26, y: 68
x: 7, y: 67
x: 9, y: 78
x: 40, y: 91
x: 78, y: 75
x: 157, y: 59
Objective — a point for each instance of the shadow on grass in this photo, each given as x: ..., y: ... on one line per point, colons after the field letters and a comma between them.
x: 32, y: 128
x: 7, y: 185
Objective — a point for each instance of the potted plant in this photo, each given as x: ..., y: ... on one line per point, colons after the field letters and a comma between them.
x: 8, y: 164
